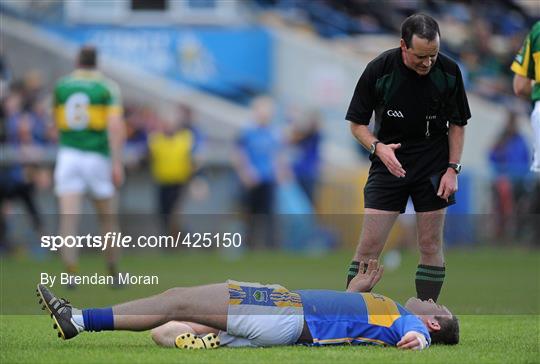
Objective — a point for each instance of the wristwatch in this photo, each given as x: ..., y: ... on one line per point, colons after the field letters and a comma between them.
x: 455, y: 166
x: 373, y: 147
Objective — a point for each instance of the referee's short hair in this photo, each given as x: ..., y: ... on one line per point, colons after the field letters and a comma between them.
x: 424, y: 26
x: 87, y: 57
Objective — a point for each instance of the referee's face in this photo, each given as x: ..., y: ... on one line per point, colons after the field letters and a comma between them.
x: 426, y: 308
x: 421, y: 55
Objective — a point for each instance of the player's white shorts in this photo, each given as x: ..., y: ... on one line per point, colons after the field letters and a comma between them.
x: 80, y: 171
x: 535, y: 122
x: 262, y: 315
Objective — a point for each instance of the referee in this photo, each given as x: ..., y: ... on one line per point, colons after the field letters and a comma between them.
x: 421, y: 109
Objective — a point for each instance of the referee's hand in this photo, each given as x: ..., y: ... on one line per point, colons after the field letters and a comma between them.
x: 448, y: 185
x: 386, y: 153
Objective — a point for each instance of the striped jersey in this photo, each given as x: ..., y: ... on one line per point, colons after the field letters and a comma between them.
x: 83, y: 102
x: 335, y: 317
x: 527, y: 61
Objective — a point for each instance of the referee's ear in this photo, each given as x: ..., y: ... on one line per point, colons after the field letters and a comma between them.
x: 403, y: 45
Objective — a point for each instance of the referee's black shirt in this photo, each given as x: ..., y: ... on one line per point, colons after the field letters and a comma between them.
x: 409, y: 109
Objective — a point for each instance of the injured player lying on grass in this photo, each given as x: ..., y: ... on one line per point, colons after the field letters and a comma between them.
x: 250, y: 314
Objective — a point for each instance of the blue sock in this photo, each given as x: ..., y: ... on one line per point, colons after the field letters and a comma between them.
x: 98, y: 319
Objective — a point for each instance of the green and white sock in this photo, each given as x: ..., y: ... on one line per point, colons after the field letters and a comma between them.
x: 429, y: 281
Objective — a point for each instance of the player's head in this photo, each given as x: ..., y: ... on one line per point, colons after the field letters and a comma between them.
x: 263, y: 110
x: 443, y: 326
x: 87, y: 57
x: 420, y: 39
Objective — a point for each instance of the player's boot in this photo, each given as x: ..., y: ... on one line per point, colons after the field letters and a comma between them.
x: 71, y: 286
x: 61, y: 312
x: 192, y: 341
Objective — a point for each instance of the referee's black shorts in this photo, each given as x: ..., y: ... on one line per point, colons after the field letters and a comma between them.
x: 424, y: 170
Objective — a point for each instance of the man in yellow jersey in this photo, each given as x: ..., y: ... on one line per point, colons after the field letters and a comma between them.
x: 526, y: 67
x: 88, y: 114
x: 171, y: 161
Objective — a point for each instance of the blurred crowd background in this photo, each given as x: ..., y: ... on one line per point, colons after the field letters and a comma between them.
x: 267, y: 78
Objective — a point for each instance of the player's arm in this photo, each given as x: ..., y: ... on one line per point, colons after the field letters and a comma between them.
x: 456, y: 139
x: 366, y: 278
x: 386, y: 152
x: 241, y: 164
x: 522, y: 86
x: 523, y: 83
x: 282, y: 169
x: 413, y: 340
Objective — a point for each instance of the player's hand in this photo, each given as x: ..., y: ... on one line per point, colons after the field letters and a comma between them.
x: 448, y: 185
x: 365, y: 281
x: 118, y: 174
x: 387, y: 154
x: 249, y: 179
x: 413, y: 341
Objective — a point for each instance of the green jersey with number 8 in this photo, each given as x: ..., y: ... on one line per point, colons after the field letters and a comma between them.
x: 83, y: 102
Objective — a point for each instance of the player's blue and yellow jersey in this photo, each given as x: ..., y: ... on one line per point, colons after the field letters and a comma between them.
x: 357, y: 318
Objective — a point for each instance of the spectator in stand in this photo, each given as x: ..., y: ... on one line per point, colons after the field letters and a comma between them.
x: 19, y: 176
x: 5, y: 75
x: 137, y: 124
x: 259, y: 164
x: 43, y: 128
x: 306, y: 139
x: 33, y: 87
x: 510, y: 160
x: 186, y: 118
x: 485, y: 30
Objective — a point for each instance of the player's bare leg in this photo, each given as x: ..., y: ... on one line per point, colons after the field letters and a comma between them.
x: 206, y: 305
x: 70, y: 208
x: 375, y: 230
x: 106, y: 209
x: 431, y: 271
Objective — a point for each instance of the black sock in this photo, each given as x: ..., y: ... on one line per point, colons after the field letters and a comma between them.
x: 353, y: 271
x: 429, y: 281
x: 113, y: 270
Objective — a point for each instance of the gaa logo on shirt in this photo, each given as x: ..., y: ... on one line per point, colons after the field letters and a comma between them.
x: 395, y: 113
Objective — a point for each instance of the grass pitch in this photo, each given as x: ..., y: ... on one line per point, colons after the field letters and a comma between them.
x: 494, y: 292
